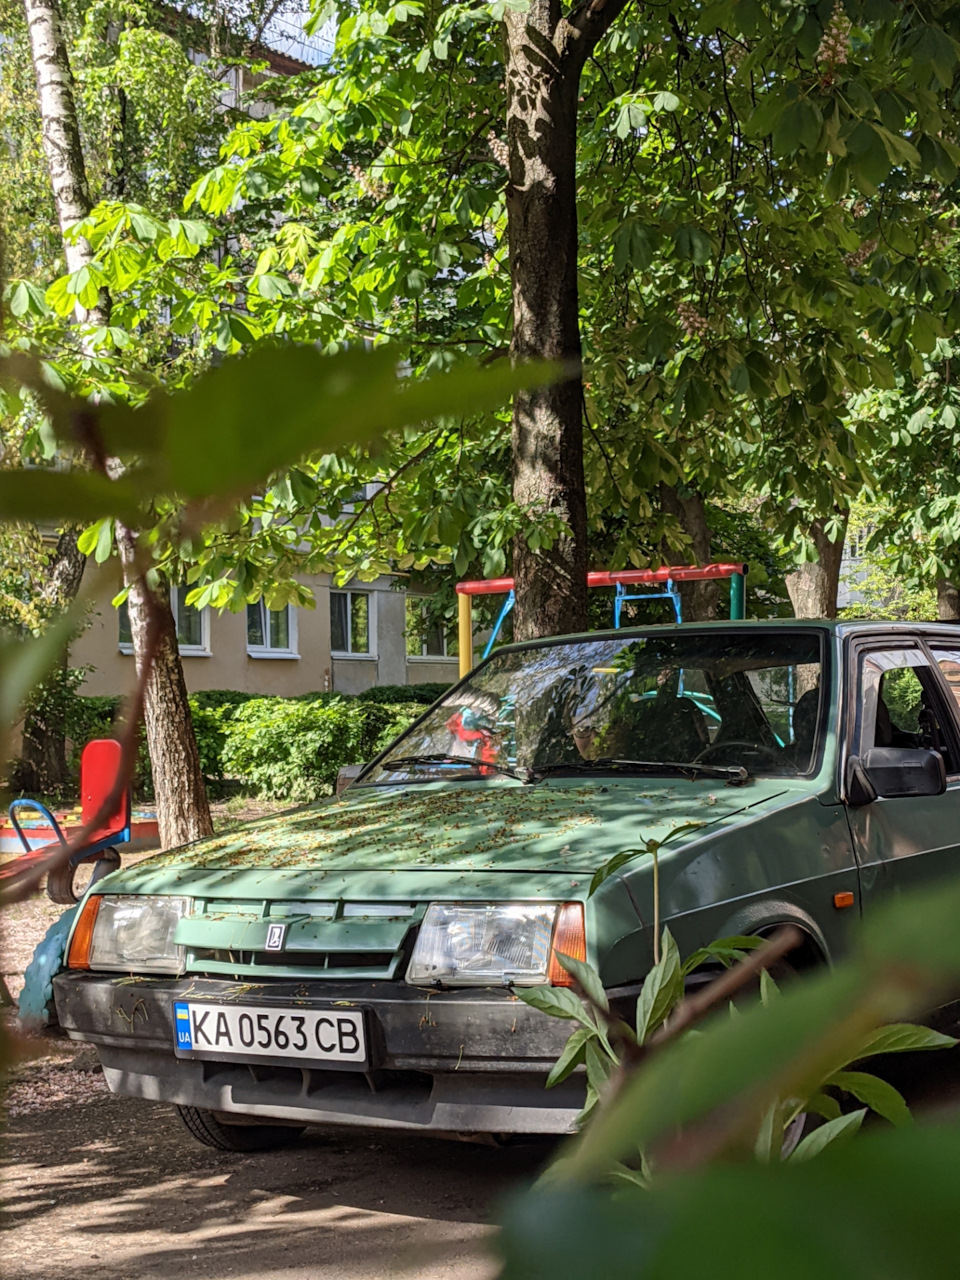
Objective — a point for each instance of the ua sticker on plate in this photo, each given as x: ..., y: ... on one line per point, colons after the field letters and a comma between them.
x: 181, y: 1015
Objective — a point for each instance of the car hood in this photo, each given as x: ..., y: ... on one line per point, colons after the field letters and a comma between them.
x: 557, y: 826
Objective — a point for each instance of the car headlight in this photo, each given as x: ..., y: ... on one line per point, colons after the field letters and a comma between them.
x: 463, y: 945
x: 134, y: 933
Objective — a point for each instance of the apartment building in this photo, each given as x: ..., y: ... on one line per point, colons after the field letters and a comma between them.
x: 366, y: 634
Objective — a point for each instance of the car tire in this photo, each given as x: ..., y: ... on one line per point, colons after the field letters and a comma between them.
x: 207, y: 1128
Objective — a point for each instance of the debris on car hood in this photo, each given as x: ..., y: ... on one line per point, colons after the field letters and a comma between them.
x: 559, y: 827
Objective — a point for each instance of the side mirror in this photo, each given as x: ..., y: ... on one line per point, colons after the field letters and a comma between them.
x: 893, y: 772
x: 348, y: 773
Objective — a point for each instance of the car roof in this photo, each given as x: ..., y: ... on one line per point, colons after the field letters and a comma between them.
x: 841, y: 627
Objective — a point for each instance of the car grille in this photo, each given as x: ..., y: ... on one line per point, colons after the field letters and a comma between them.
x: 321, y: 940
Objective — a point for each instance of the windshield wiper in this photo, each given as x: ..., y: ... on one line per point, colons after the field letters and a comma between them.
x: 402, y: 762
x: 734, y: 774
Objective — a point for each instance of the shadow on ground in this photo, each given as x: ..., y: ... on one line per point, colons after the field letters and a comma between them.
x: 116, y: 1187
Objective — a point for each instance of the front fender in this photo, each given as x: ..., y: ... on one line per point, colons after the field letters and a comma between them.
x: 35, y: 1004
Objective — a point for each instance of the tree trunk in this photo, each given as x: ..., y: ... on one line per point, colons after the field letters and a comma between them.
x: 545, y: 53
x: 61, y: 134
x: 43, y: 761
x: 813, y: 586
x: 948, y: 601
x: 183, y: 812
x: 699, y: 600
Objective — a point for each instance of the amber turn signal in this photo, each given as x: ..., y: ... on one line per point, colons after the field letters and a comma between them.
x: 845, y: 899
x: 80, y: 943
x: 569, y: 939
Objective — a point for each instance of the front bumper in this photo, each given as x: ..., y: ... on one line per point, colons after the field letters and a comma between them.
x: 453, y: 1061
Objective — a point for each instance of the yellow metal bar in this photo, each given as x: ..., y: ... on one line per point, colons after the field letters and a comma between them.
x: 465, y: 633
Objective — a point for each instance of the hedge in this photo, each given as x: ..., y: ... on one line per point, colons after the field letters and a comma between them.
x: 276, y: 748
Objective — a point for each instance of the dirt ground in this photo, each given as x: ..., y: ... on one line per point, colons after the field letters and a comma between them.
x: 99, y: 1187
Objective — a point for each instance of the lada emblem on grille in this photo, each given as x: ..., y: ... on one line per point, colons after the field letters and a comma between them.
x: 276, y: 933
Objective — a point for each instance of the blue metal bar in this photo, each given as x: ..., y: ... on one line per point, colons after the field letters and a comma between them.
x: 501, y: 618
x: 672, y: 594
x: 24, y: 803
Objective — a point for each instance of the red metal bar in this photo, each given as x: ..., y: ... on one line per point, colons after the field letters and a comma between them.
x: 610, y: 577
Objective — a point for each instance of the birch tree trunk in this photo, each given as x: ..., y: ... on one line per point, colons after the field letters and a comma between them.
x: 183, y: 810
x: 545, y: 53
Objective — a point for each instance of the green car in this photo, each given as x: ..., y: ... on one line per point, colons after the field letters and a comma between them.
x: 356, y: 961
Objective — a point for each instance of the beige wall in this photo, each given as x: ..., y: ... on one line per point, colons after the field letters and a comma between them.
x: 228, y: 665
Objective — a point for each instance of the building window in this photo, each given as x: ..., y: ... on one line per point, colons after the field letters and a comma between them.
x: 426, y: 639
x: 271, y: 633
x: 351, y: 623
x: 193, y: 625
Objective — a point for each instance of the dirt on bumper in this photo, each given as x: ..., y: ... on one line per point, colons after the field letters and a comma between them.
x: 470, y: 1061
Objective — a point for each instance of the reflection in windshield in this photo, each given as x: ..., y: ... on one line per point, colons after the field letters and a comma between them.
x: 710, y: 698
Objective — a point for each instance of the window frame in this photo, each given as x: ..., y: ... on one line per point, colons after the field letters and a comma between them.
x: 201, y: 650
x: 348, y: 654
x: 864, y: 647
x: 423, y: 656
x: 267, y: 651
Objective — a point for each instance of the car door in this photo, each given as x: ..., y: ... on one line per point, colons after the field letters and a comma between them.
x: 902, y: 699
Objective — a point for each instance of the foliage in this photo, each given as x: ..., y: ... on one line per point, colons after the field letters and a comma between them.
x: 761, y: 195
x: 398, y: 693
x: 87, y: 718
x: 875, y: 576
x: 697, y: 1102
x: 263, y: 744
x: 600, y: 1040
x: 292, y: 749
x: 177, y: 447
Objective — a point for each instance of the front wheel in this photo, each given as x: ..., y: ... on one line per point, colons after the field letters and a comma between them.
x: 208, y: 1128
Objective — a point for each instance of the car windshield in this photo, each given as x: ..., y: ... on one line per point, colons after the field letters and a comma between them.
x: 712, y: 700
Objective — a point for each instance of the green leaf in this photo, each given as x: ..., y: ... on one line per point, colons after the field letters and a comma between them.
x: 883, y: 1205
x: 573, y: 1056
x: 65, y: 496
x: 559, y: 1002
x: 271, y: 286
x: 662, y: 990
x: 104, y: 547
x: 693, y: 243
x: 797, y: 126
x: 27, y: 298
x: 311, y: 402
x: 691, y: 1076
x: 88, y: 538
x: 841, y: 1129
x: 613, y: 865
x: 877, y: 1094
x: 588, y: 978
x: 902, y: 1037
x: 727, y: 951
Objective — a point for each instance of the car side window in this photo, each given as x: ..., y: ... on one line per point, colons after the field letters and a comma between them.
x: 948, y: 660
x: 898, y: 705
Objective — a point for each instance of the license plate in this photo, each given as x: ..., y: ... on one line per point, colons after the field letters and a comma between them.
x: 247, y: 1032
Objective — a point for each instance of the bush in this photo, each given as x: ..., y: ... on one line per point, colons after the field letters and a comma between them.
x: 397, y: 693
x: 276, y: 748
x: 292, y: 749
x: 288, y: 749
x: 95, y: 717
x: 385, y: 721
